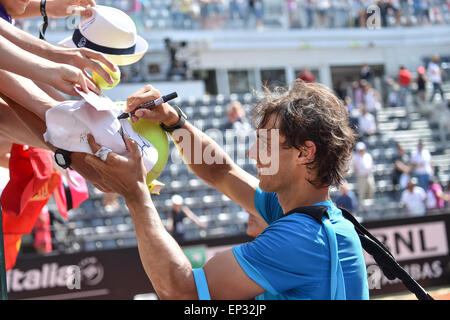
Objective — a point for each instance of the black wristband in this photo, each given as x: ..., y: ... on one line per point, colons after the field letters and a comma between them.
x: 180, y: 123
x: 44, y: 25
x: 42, y: 8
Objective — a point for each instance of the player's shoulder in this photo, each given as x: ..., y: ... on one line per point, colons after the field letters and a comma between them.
x: 299, y: 226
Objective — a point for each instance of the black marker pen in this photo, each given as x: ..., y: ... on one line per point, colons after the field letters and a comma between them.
x: 150, y: 104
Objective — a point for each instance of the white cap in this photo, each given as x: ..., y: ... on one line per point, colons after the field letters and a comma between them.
x: 177, y: 199
x: 360, y: 146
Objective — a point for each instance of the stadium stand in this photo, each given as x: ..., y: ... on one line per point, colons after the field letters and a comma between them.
x: 161, y: 15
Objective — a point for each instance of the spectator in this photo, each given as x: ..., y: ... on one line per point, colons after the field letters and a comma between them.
x: 176, y: 215
x: 394, y: 96
x: 204, y: 13
x: 435, y: 196
x: 340, y: 89
x: 366, y: 123
x: 421, y: 82
x: 255, y: 225
x: 306, y: 75
x: 387, y: 8
x: 447, y: 195
x: 349, y: 104
x: 435, y: 75
x: 236, y: 9
x: 371, y: 98
x: 237, y: 119
x: 346, y: 198
x: 363, y: 168
x: 309, y: 10
x: 420, y: 9
x: 323, y: 7
x: 365, y: 73
x: 291, y: 7
x: 255, y: 7
x: 359, y: 13
x: 358, y: 94
x: 404, y: 80
x: 181, y: 13
x: 401, y: 173
x: 413, y: 199
x: 421, y: 162
x: 218, y: 16
x: 405, y: 11
x: 352, y: 113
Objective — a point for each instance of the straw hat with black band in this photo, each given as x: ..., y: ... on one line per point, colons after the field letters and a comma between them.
x: 109, y: 31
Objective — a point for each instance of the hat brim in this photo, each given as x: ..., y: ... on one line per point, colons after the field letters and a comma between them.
x: 120, y: 60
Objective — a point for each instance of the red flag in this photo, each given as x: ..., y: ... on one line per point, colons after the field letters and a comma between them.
x: 12, y: 246
x: 25, y: 222
x: 31, y: 183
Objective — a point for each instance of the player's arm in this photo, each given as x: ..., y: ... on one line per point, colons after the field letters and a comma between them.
x: 195, y: 146
x: 166, y: 265
x: 225, y: 176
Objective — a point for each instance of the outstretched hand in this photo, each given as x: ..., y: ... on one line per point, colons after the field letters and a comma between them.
x: 125, y: 175
x: 84, y: 59
x: 65, y: 8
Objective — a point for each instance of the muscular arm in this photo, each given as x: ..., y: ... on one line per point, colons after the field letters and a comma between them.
x: 196, y: 148
x: 170, y: 271
x: 225, y: 176
x: 166, y: 265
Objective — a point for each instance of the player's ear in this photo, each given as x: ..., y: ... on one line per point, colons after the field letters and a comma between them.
x: 306, y: 153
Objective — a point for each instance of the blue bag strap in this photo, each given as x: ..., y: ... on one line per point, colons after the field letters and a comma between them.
x: 336, y: 274
x: 201, y: 284
x: 320, y: 214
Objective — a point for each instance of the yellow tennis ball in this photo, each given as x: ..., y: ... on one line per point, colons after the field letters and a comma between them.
x: 158, y: 137
x: 101, y: 83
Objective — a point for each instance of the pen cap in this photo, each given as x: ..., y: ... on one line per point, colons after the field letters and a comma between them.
x: 170, y: 96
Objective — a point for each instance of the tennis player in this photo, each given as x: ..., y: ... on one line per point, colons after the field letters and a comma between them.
x: 295, y: 257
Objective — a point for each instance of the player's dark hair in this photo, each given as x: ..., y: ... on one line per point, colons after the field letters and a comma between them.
x: 310, y: 111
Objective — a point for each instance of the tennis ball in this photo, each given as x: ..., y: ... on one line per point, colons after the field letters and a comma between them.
x: 158, y: 138
x: 101, y: 83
